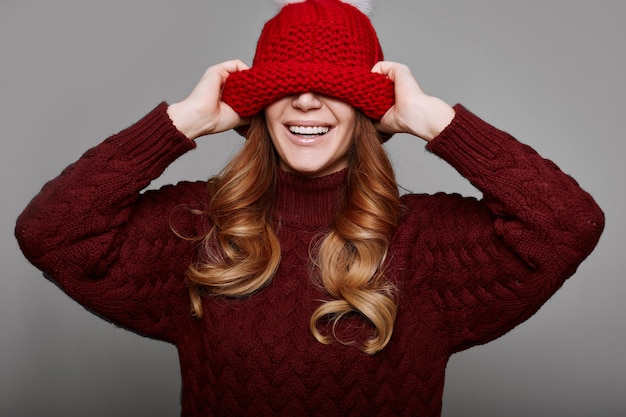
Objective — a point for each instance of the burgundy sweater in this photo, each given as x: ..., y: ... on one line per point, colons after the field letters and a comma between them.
x: 467, y: 270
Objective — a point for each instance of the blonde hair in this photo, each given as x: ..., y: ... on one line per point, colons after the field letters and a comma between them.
x: 241, y: 251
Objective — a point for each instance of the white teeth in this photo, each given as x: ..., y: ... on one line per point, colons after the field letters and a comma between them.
x: 309, y: 130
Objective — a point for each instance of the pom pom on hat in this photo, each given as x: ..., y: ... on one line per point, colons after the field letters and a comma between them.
x: 324, y: 46
x: 365, y: 6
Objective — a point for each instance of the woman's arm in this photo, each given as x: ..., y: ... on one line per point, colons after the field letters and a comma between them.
x: 107, y: 244
x: 82, y: 228
x: 528, y: 234
x: 491, y: 263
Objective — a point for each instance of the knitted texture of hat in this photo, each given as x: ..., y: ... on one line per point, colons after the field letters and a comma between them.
x: 324, y: 46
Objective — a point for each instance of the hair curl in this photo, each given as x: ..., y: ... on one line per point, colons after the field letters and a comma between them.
x: 241, y: 252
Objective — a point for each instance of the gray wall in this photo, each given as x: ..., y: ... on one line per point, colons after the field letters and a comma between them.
x: 551, y: 72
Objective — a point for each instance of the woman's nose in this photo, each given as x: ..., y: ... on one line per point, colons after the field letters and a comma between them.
x: 307, y: 101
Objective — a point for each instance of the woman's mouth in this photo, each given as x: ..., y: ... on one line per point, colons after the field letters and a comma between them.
x: 309, y: 130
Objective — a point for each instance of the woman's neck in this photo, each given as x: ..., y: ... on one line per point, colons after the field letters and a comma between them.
x: 308, y: 201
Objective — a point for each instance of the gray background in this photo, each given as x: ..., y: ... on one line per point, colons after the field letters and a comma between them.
x: 550, y: 72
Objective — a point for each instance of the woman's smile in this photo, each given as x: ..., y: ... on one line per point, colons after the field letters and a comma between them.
x: 308, y: 133
x: 311, y: 133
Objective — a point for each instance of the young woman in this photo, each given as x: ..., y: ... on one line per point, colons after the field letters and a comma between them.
x: 298, y: 281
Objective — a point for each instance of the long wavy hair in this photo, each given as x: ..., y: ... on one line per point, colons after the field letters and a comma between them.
x: 241, y: 252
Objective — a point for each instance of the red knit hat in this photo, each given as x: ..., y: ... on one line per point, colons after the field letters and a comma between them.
x: 324, y: 46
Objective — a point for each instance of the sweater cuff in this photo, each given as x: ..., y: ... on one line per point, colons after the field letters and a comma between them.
x: 152, y: 143
x: 468, y: 143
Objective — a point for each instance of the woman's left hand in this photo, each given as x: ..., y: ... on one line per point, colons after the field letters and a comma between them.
x: 414, y: 111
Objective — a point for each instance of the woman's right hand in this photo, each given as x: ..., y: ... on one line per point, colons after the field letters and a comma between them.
x: 414, y: 111
x: 203, y: 112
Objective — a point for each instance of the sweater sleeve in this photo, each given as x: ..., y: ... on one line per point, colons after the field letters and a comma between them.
x: 502, y: 257
x: 100, y: 239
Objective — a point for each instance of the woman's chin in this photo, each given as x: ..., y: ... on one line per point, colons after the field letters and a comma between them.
x: 312, y: 170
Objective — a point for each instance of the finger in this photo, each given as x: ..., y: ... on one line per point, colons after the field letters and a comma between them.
x: 384, y: 124
x: 223, y: 70
x: 234, y: 65
x: 387, y: 68
x: 380, y: 67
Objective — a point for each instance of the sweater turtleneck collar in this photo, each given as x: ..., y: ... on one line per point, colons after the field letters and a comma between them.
x: 308, y: 201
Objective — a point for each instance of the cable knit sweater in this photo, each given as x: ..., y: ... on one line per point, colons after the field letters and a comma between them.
x: 467, y: 270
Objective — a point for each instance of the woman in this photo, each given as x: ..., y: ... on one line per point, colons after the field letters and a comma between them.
x: 298, y: 281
